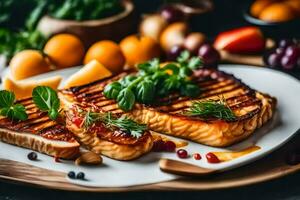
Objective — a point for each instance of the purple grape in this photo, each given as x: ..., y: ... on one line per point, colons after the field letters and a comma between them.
x: 288, y: 62
x: 292, y: 51
x: 172, y: 13
x: 274, y: 60
x: 209, y: 54
x: 284, y: 43
x: 280, y: 50
x: 174, y: 52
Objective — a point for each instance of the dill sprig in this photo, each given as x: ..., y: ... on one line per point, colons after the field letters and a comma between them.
x: 211, y: 109
x: 123, y: 123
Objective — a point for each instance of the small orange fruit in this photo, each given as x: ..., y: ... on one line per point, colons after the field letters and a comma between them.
x: 64, y: 50
x: 28, y: 63
x: 107, y: 53
x: 139, y: 49
x: 258, y: 6
x: 277, y: 12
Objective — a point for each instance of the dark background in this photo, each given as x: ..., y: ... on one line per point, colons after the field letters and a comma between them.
x: 227, y: 14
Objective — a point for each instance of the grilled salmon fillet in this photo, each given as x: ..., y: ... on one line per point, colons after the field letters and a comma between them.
x: 116, y: 143
x: 39, y: 133
x: 166, y: 115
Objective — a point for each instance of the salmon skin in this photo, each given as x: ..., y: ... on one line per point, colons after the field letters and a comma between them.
x: 39, y: 133
x: 166, y: 115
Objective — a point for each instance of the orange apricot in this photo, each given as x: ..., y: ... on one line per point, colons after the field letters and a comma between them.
x: 28, y: 63
x: 139, y: 49
x: 107, y: 53
x: 64, y: 50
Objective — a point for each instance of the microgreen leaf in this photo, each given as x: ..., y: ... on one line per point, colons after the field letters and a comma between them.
x: 126, y: 99
x: 9, y: 109
x: 7, y: 98
x: 112, y: 90
x: 195, y: 63
x: 145, y: 91
x: 46, y: 100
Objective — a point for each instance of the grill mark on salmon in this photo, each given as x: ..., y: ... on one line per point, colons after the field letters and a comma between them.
x: 252, y: 109
x: 37, y: 123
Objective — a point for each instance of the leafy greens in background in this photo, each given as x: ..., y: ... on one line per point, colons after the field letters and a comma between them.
x: 13, y: 42
x: 19, y: 19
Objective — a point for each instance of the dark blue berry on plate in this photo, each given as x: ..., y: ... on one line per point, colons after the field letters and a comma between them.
x: 80, y: 176
x: 72, y: 175
x: 32, y: 156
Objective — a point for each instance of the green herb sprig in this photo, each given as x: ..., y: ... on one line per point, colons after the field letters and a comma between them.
x: 46, y: 99
x: 211, y: 109
x: 124, y: 123
x: 153, y: 81
x: 9, y: 109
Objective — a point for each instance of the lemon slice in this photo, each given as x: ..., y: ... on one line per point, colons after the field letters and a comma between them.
x: 23, y: 89
x: 91, y: 72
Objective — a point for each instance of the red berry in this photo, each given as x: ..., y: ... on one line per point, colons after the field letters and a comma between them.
x: 182, y: 153
x: 197, y: 156
x: 212, y: 158
x: 158, y: 146
x: 170, y: 146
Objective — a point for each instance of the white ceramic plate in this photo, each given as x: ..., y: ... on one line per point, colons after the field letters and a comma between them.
x: 145, y: 170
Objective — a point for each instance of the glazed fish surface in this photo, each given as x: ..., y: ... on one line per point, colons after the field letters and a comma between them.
x: 252, y: 109
x: 102, y: 138
x: 39, y: 133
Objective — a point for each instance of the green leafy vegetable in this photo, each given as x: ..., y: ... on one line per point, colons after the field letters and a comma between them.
x: 84, y: 10
x: 211, y: 109
x: 46, y: 100
x: 9, y: 109
x: 13, y: 42
x: 125, y: 124
x: 154, y: 81
x: 126, y: 99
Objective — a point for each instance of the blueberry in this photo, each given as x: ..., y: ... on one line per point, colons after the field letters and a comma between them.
x: 72, y: 175
x: 32, y: 156
x: 80, y: 175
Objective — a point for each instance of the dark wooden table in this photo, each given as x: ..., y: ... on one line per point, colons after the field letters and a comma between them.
x: 227, y: 15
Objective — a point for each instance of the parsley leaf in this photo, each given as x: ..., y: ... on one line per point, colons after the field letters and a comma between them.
x: 9, y: 109
x: 46, y: 100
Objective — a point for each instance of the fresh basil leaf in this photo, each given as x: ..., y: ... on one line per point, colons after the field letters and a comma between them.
x: 127, y: 80
x: 195, y: 63
x: 112, y: 90
x: 46, y: 100
x: 184, y: 57
x: 7, y: 98
x: 126, y: 99
x: 17, y: 111
x: 185, y: 72
x: 145, y: 91
x: 150, y: 66
x: 172, y: 83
